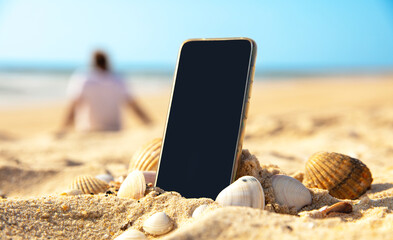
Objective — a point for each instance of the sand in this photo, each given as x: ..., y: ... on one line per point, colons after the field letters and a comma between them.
x: 288, y: 122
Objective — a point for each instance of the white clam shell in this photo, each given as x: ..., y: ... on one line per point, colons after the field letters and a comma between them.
x: 105, y: 177
x: 72, y: 192
x: 199, y: 210
x: 246, y: 191
x: 134, y: 186
x: 158, y: 224
x: 131, y: 234
x: 150, y: 176
x: 289, y: 191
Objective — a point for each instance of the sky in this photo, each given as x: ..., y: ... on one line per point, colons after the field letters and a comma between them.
x: 291, y: 35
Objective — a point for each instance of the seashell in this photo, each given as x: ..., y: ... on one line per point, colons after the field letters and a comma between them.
x: 150, y: 176
x: 71, y: 192
x: 199, y: 210
x: 158, y: 224
x: 89, y: 185
x: 147, y: 157
x: 131, y: 234
x: 246, y: 191
x: 105, y: 177
x: 344, y: 177
x: 120, y: 179
x: 290, y: 192
x: 134, y: 186
x: 340, y: 207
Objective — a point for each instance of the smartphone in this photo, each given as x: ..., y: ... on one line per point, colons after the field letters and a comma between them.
x: 202, y: 141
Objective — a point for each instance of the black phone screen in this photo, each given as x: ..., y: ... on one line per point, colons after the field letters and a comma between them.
x: 205, y: 117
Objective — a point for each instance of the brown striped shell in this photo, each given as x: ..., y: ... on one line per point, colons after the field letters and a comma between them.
x: 89, y: 184
x: 146, y: 158
x: 344, y: 177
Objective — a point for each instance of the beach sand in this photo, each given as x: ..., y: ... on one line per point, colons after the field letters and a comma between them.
x: 288, y: 122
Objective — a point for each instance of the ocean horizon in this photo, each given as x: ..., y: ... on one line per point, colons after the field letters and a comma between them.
x: 30, y: 87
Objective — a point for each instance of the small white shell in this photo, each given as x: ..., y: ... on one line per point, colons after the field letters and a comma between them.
x: 150, y: 176
x: 199, y: 210
x: 134, y: 186
x: 72, y: 192
x: 158, y: 224
x: 131, y: 234
x: 246, y: 191
x: 105, y: 177
x: 289, y: 191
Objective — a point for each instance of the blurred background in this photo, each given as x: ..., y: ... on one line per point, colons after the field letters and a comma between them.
x: 324, y: 80
x: 42, y: 42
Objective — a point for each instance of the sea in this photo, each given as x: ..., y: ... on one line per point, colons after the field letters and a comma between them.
x: 34, y: 88
x: 27, y: 88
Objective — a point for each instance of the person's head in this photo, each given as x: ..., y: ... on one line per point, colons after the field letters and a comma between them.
x: 100, y: 60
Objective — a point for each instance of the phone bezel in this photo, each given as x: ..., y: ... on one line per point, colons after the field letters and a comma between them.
x: 245, y: 105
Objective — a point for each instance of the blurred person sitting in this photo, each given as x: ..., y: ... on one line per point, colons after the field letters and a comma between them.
x: 96, y: 98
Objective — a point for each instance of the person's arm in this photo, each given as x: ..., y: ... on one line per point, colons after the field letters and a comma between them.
x: 132, y: 103
x: 68, y: 121
x: 74, y: 92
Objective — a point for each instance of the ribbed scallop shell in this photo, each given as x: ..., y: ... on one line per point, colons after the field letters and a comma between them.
x: 146, y: 158
x: 344, y: 177
x: 158, y: 224
x: 290, y: 192
x: 246, y: 191
x: 131, y: 234
x: 89, y: 184
x: 134, y: 186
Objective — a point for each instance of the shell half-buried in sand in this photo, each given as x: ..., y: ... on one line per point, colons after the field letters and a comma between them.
x: 199, y: 210
x: 340, y: 207
x: 290, y: 192
x: 344, y: 177
x: 246, y: 191
x: 71, y: 192
x: 89, y: 185
x: 134, y: 186
x: 131, y: 234
x: 146, y: 158
x: 158, y: 224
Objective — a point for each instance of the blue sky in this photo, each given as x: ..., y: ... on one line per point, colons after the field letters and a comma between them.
x: 290, y: 34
